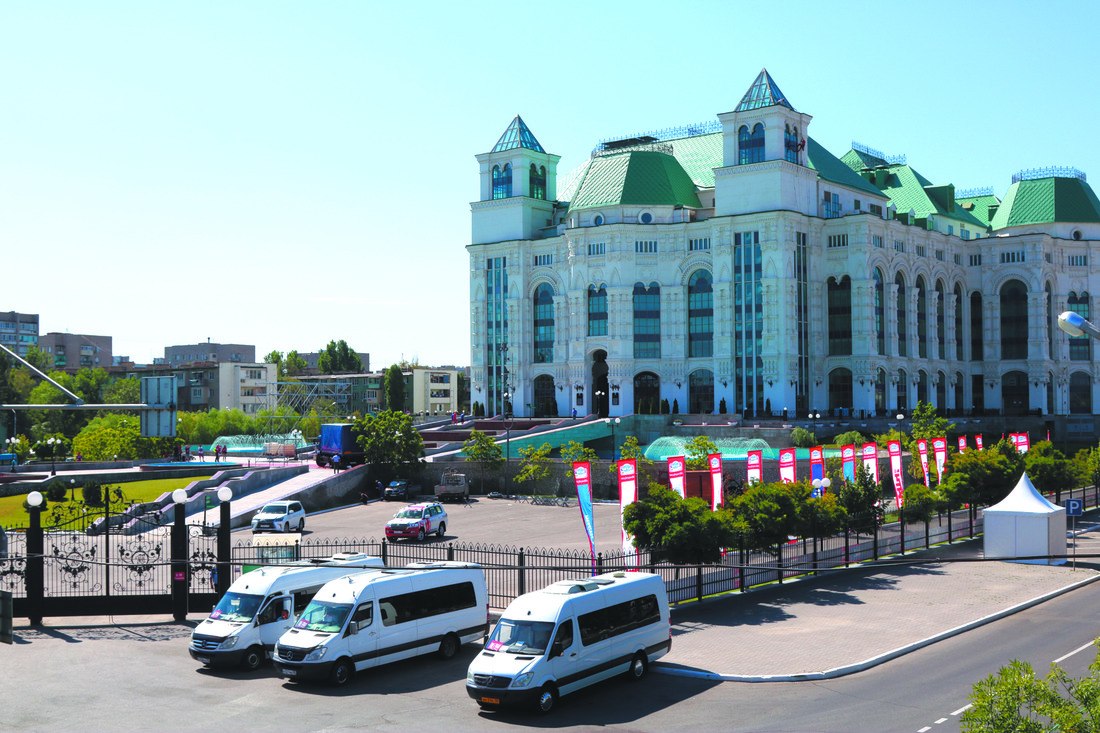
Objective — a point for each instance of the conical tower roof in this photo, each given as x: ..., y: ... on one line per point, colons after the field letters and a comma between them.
x: 518, y: 135
x: 764, y: 92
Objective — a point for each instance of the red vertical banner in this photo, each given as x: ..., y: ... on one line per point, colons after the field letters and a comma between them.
x: 628, y: 494
x: 870, y: 460
x: 922, y: 449
x: 978, y: 441
x: 676, y: 475
x: 714, y: 462
x: 848, y: 462
x: 895, y: 470
x: 962, y: 444
x: 754, y: 466
x: 817, y: 463
x: 1023, y: 442
x: 1014, y: 439
x: 939, y: 448
x: 786, y: 465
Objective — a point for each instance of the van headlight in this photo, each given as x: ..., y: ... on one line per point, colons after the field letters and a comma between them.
x: 229, y: 643
x: 317, y: 654
x: 469, y: 676
x: 523, y: 680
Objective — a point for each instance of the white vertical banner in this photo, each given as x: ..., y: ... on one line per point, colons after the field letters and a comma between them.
x: 870, y: 460
x: 894, y: 447
x: 628, y: 494
x: 754, y: 467
x: 922, y: 449
x: 786, y: 465
x: 939, y: 448
x: 714, y: 462
x: 676, y: 475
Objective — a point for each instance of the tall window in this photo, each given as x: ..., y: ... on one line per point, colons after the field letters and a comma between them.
x: 922, y: 318
x: 537, y: 181
x: 802, y: 315
x: 977, y: 353
x: 597, y: 310
x: 544, y: 324
x: 748, y: 323
x: 1080, y: 394
x: 840, y: 389
x: 701, y: 392
x: 880, y: 315
x: 496, y: 333
x: 750, y: 145
x: 1013, y: 320
x: 700, y: 314
x: 941, y: 322
x: 903, y: 390
x: 1080, y: 348
x: 790, y: 143
x: 647, y: 321
x: 647, y: 394
x: 958, y: 326
x: 880, y: 392
x: 502, y: 181
x: 903, y: 346
x: 840, y: 317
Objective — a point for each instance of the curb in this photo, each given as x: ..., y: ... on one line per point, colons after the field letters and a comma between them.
x: 665, y: 668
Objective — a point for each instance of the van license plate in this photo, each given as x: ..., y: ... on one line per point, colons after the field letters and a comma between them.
x: 491, y: 700
x: 290, y: 672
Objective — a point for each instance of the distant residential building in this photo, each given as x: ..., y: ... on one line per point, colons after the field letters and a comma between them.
x: 191, y: 353
x: 216, y: 386
x: 431, y: 391
x: 312, y: 357
x: 75, y: 351
x: 18, y: 331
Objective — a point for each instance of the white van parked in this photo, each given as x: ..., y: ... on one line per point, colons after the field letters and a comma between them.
x: 370, y: 619
x: 569, y: 635
x: 261, y: 605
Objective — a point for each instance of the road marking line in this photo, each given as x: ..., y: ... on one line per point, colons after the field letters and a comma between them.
x: 1078, y: 649
x: 925, y: 728
x: 963, y: 708
x: 941, y: 720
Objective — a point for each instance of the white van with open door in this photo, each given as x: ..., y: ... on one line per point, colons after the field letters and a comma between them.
x: 569, y: 635
x: 370, y: 619
x: 262, y: 604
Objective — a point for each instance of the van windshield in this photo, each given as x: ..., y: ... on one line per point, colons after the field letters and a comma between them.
x: 521, y: 637
x: 236, y: 607
x: 323, y: 617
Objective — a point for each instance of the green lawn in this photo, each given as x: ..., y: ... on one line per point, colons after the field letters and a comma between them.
x: 12, y: 513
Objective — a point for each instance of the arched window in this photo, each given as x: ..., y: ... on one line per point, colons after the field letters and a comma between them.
x: 701, y: 392
x: 544, y: 324
x: 958, y: 325
x: 941, y: 391
x: 502, y: 181
x: 1080, y: 394
x: 700, y: 314
x: 959, y: 399
x: 977, y: 353
x: 840, y: 317
x: 537, y: 181
x: 922, y: 318
x: 1049, y: 292
x: 903, y: 390
x: 750, y: 145
x: 647, y: 321
x: 790, y: 143
x: 597, y: 310
x: 1080, y: 348
x: 880, y: 313
x: 1013, y: 320
x: 903, y: 345
x: 840, y: 389
x: 1014, y: 393
x: 922, y: 386
x: 941, y: 321
x: 880, y: 392
x: 545, y: 402
x: 647, y: 394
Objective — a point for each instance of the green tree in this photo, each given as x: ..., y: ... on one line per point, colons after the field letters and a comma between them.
x: 337, y: 358
x: 631, y: 449
x: 681, y: 531
x: 395, y: 388
x: 1049, y: 470
x: 574, y: 451
x: 802, y: 438
x: 391, y: 446
x: 294, y: 365
x: 480, y: 448
x: 852, y: 437
x: 276, y: 358
x: 767, y: 514
x: 534, y: 465
x: 981, y: 476
x: 39, y: 359
x: 118, y: 434
x: 123, y: 392
x: 861, y: 498
x: 696, y: 451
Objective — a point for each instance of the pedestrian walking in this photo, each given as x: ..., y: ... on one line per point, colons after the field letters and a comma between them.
x: 187, y: 452
x: 202, y: 458
x: 574, y: 413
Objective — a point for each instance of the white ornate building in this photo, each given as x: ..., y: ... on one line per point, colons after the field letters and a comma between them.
x: 739, y: 264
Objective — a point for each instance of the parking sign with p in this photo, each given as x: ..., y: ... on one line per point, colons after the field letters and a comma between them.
x: 1075, y: 507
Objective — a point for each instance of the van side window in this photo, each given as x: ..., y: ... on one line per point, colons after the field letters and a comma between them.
x: 364, y: 615
x: 431, y: 602
x: 273, y: 611
x: 565, y: 634
x: 618, y: 619
x: 389, y: 613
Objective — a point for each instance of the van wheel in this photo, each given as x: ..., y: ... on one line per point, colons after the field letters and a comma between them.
x: 253, y: 658
x: 638, y: 667
x: 448, y: 647
x: 442, y: 530
x: 547, y: 699
x: 342, y: 672
x: 420, y: 535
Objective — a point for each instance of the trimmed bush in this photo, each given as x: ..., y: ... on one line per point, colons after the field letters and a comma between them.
x: 802, y: 438
x: 55, y: 490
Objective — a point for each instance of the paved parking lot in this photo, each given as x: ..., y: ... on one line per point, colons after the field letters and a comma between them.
x: 494, y: 521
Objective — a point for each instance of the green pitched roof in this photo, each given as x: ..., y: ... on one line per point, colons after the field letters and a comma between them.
x: 830, y: 167
x: 635, y: 178
x: 1047, y: 200
x: 979, y: 206
x: 518, y: 135
x: 857, y: 160
x: 764, y: 92
x: 909, y: 191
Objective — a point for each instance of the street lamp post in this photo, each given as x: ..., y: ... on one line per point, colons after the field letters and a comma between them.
x: 599, y: 395
x: 815, y: 416
x: 508, y: 418
x: 612, y: 422
x: 53, y: 442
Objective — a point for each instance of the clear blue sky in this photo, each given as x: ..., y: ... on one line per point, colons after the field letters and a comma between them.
x: 287, y: 173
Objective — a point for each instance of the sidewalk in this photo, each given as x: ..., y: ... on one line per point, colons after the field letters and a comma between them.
x: 830, y: 626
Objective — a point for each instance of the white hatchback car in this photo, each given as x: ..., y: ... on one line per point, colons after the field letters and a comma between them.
x: 280, y: 516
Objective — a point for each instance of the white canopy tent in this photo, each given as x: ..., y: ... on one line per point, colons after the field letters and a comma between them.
x: 1025, y: 524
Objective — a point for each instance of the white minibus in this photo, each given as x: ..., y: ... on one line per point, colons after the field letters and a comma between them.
x: 569, y: 635
x: 261, y: 605
x: 370, y: 619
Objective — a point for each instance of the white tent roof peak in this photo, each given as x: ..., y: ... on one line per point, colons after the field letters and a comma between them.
x: 1024, y: 499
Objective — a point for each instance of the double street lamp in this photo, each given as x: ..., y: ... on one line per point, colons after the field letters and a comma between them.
x: 612, y: 422
x: 815, y: 416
